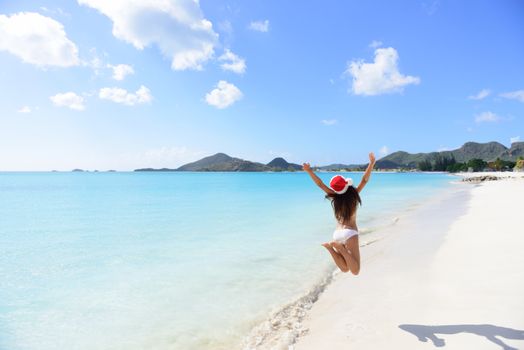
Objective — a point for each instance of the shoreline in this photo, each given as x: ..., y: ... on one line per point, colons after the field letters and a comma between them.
x: 288, y: 324
x: 410, y: 281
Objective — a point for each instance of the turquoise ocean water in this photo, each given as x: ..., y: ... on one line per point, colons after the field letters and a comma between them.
x: 167, y: 260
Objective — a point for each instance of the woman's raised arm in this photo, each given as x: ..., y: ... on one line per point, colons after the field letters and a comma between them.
x: 367, y: 173
x: 307, y: 168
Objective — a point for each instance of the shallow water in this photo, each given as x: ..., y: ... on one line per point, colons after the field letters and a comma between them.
x: 167, y: 260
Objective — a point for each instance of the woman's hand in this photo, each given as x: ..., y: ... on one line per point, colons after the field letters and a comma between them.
x: 306, y: 167
x: 372, y: 158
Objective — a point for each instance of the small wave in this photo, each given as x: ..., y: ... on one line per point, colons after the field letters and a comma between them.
x: 387, y: 223
x: 284, y: 326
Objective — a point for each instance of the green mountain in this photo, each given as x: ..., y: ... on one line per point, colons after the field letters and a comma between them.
x: 280, y: 164
x: 223, y: 162
x: 337, y: 166
x: 153, y: 169
x: 486, y: 151
x: 516, y: 150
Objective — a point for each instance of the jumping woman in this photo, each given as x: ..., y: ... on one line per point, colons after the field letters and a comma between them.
x: 344, y: 199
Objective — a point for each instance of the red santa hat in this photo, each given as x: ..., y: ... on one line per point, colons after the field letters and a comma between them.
x: 340, y: 184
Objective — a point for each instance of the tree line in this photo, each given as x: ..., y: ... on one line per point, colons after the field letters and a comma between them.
x: 449, y: 164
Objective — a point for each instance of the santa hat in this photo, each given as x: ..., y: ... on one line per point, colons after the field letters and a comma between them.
x: 340, y: 184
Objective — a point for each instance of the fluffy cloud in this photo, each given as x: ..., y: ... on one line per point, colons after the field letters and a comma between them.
x: 482, y: 94
x: 259, y: 26
x: 514, y: 95
x: 118, y: 95
x: 177, y: 27
x: 24, y: 109
x: 329, y: 121
x: 224, y: 95
x: 514, y: 139
x: 68, y: 99
x: 380, y: 77
x: 37, y: 39
x: 384, y: 150
x: 232, y: 62
x: 486, y: 117
x: 120, y: 71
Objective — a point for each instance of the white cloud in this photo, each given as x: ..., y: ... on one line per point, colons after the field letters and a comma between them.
x: 232, y: 62
x: 482, y: 94
x: 24, y: 109
x: 120, y: 71
x: 68, y: 99
x: 380, y: 77
x: 58, y: 11
x: 177, y: 27
x: 224, y: 95
x: 384, y: 151
x: 329, y: 121
x: 487, y: 117
x: 375, y: 43
x: 37, y: 40
x: 514, y: 95
x: 95, y: 63
x: 514, y: 139
x: 259, y: 26
x: 118, y: 95
x: 443, y: 148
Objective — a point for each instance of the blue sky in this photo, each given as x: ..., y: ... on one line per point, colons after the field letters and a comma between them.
x: 125, y: 84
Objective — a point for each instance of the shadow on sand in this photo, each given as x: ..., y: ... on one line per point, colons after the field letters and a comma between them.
x: 490, y: 332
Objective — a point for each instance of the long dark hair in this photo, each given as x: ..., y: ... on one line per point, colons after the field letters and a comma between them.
x: 345, y: 204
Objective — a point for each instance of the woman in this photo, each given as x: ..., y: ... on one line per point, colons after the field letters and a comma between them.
x: 344, y: 199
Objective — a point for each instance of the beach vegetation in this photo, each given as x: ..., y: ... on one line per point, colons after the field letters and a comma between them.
x: 477, y: 164
x: 457, y: 167
x: 424, y: 165
x: 519, y: 165
x: 501, y: 165
x: 442, y: 163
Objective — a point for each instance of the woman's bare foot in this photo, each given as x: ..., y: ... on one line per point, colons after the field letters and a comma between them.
x: 327, y: 245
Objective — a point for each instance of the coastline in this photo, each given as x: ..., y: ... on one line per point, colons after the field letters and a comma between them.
x: 290, y: 323
x: 453, y: 280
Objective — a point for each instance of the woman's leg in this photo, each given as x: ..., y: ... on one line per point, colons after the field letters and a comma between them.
x: 348, y: 258
x: 339, y: 259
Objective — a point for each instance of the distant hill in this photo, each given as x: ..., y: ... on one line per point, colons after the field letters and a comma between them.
x: 223, y: 162
x: 486, y: 151
x: 516, y: 150
x: 280, y: 164
x: 331, y: 167
x: 153, y: 169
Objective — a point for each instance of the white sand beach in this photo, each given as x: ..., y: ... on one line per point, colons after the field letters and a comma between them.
x: 452, y: 275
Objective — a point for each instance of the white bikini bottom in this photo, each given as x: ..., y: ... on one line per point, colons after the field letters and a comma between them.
x: 342, y: 235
